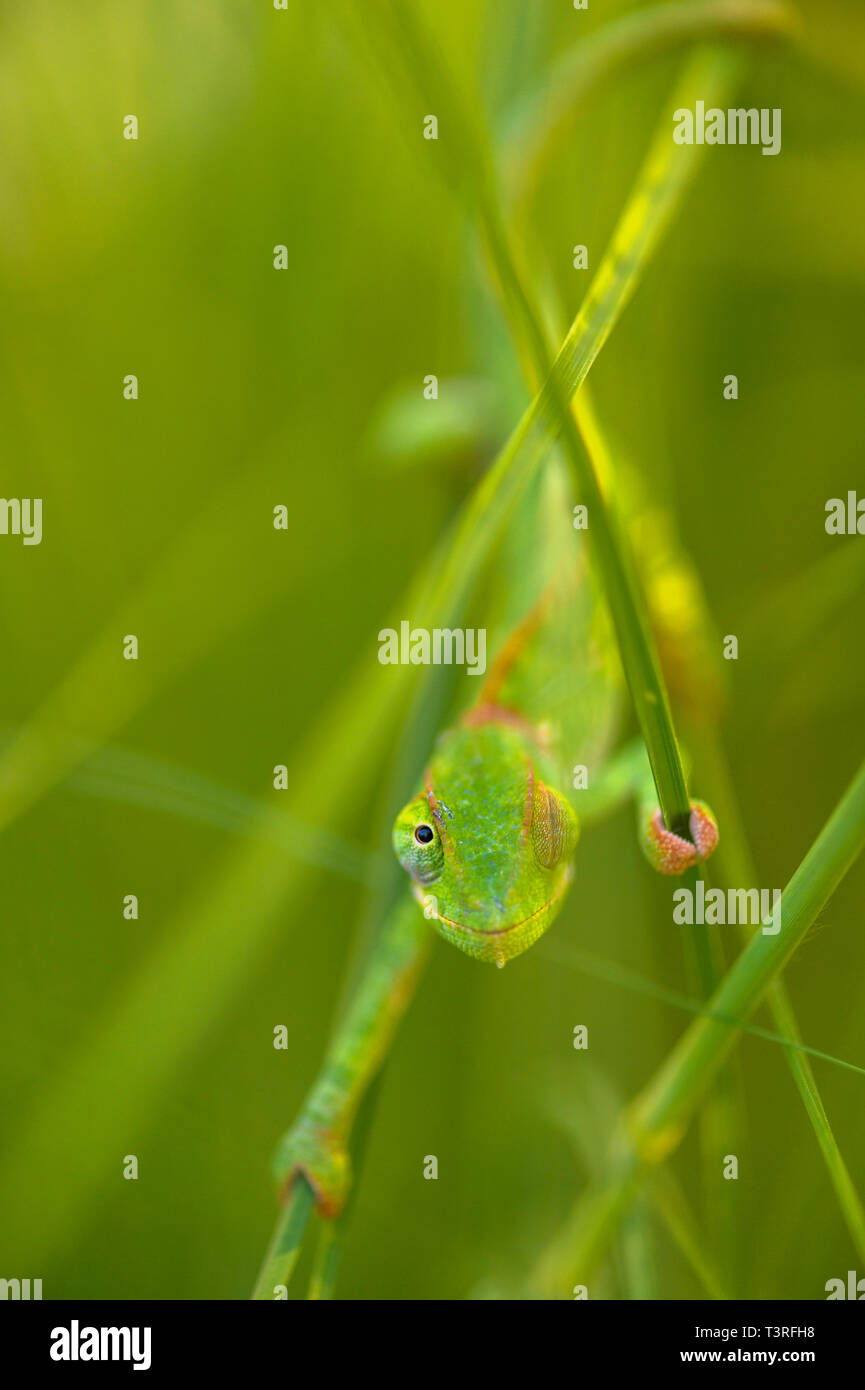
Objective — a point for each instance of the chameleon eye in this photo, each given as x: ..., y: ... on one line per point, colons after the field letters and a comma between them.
x: 417, y: 842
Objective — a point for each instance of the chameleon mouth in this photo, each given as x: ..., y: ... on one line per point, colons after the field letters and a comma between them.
x: 512, y: 926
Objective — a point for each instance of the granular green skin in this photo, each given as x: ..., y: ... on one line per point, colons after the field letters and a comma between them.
x: 494, y: 874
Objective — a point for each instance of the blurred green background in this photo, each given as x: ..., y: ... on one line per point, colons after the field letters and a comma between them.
x: 260, y: 388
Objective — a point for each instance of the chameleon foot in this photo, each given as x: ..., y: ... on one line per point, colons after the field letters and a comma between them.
x: 671, y: 854
x: 321, y: 1158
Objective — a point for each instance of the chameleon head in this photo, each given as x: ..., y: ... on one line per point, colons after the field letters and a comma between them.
x: 487, y: 844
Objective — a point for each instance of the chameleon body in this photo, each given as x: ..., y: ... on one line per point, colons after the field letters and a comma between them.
x: 489, y: 839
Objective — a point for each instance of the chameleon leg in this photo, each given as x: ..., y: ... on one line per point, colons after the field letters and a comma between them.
x: 627, y: 774
x: 670, y: 853
x: 317, y: 1143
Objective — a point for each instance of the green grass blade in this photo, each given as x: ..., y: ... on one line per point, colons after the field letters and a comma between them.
x: 679, y: 1220
x: 637, y: 1254
x: 120, y: 774
x: 537, y: 120
x: 585, y: 1107
x: 326, y: 1261
x: 735, y: 859
x: 665, y: 1105
x: 284, y: 1249
x: 849, y: 1200
x: 613, y: 973
x: 655, y: 1123
x: 660, y: 183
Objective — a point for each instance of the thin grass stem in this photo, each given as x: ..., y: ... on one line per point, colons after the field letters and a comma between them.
x: 656, y: 1122
x: 681, y: 1225
x: 613, y: 973
x: 285, y: 1244
x: 739, y: 870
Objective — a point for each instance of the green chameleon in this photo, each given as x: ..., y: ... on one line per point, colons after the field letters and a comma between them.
x: 490, y: 838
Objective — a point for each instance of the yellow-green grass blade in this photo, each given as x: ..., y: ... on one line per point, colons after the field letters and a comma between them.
x: 585, y: 1107
x: 680, y: 1222
x: 284, y: 1248
x: 536, y: 120
x: 738, y: 869
x: 655, y: 1123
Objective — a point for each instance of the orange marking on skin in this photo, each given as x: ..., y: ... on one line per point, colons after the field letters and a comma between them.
x: 496, y: 714
x: 514, y: 645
